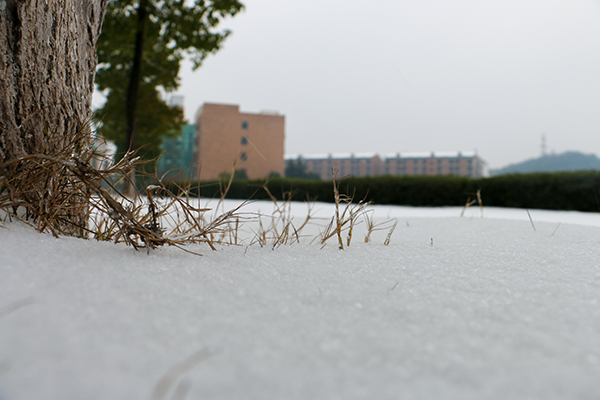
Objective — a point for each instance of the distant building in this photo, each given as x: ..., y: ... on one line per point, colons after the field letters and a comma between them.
x: 225, y: 136
x: 177, y: 159
x: 360, y: 164
x: 177, y: 100
x: 436, y: 163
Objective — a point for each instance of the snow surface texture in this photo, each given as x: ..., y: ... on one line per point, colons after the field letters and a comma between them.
x: 453, y: 308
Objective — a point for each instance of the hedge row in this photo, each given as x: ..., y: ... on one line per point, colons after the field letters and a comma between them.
x: 554, y: 191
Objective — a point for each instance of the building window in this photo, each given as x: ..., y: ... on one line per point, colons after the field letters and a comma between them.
x: 243, y: 156
x: 244, y: 140
x: 244, y: 124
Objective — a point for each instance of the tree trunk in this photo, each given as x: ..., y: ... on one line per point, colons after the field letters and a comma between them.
x: 133, y: 89
x: 47, y: 68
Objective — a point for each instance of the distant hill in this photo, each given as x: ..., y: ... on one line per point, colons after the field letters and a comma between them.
x: 569, y: 161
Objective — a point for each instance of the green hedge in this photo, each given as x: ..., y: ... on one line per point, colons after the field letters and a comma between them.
x: 554, y: 191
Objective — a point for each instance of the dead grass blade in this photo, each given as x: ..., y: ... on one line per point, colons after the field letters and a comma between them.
x: 476, y: 200
x: 176, y: 371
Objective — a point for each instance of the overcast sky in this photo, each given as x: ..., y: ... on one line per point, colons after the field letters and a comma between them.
x: 414, y: 75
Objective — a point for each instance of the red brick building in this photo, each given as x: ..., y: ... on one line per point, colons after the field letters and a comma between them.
x: 224, y: 136
x: 359, y: 164
x: 435, y: 163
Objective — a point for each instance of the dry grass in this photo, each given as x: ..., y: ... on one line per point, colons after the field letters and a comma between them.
x: 344, y: 219
x: 45, y: 190
x: 63, y: 194
x: 347, y: 216
x: 280, y: 228
x: 476, y: 200
x: 389, y: 225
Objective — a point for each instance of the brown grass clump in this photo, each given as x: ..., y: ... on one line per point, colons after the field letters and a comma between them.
x: 63, y: 194
x: 44, y: 189
x: 280, y: 229
x: 347, y: 216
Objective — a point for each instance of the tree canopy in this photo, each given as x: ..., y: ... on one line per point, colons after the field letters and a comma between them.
x: 156, y: 35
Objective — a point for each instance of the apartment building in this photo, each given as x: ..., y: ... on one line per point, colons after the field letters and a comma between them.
x: 177, y: 161
x: 436, y: 163
x: 225, y: 137
x: 433, y: 163
x: 352, y: 164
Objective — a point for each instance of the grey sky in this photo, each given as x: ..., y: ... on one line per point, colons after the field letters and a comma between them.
x: 414, y: 75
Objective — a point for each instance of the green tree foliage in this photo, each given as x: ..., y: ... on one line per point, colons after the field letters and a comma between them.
x: 160, y: 33
x: 155, y: 120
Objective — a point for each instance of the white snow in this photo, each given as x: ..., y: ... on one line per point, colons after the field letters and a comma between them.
x: 453, y: 308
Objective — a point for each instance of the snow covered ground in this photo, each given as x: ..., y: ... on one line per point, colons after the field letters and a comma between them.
x: 453, y: 308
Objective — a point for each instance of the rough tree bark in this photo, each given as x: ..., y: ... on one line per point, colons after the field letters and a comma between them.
x: 47, y: 68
